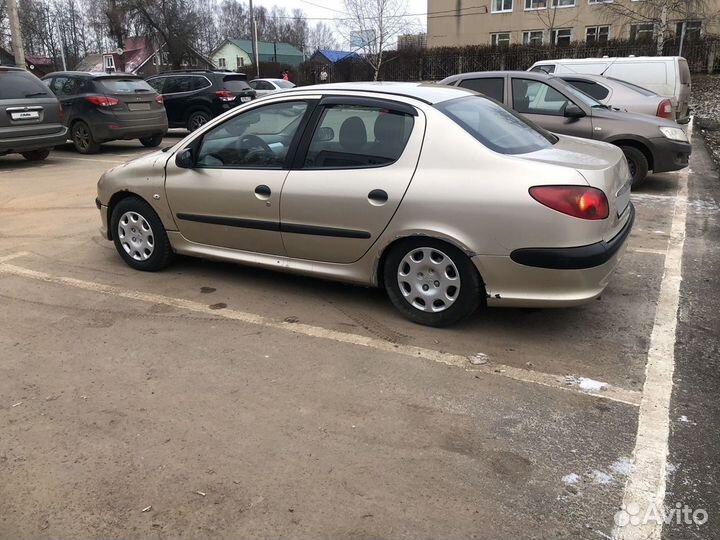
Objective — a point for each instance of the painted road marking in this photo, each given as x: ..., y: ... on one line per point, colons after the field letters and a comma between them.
x: 613, y: 393
x: 12, y: 256
x: 648, y: 251
x: 646, y: 484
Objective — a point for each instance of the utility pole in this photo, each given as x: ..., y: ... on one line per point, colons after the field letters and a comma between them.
x: 17, y: 44
x: 253, y: 30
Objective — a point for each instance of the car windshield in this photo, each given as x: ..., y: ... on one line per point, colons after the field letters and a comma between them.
x: 21, y: 85
x: 126, y: 86
x: 284, y: 84
x: 635, y: 87
x: 496, y: 127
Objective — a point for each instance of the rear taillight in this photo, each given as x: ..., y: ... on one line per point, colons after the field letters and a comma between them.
x: 224, y: 95
x: 61, y: 113
x: 102, y: 101
x: 577, y: 201
x: 159, y: 99
x: 665, y: 109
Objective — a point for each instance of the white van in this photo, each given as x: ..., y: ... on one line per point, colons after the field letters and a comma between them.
x: 667, y: 76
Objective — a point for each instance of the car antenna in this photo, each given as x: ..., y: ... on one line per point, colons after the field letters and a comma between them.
x: 609, y: 65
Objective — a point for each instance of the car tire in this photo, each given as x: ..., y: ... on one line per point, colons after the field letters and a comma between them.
x: 637, y: 163
x: 431, y: 282
x: 140, y: 236
x: 197, y: 119
x: 37, y: 155
x: 82, y: 138
x: 152, y: 141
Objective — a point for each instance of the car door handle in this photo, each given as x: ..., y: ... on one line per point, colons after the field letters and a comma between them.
x: 263, y: 192
x: 378, y: 197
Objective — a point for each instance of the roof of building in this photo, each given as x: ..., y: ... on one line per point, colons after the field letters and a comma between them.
x: 136, y: 51
x: 267, y: 48
x: 336, y: 56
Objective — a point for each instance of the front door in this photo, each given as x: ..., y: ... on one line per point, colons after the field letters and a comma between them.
x: 230, y: 198
x: 350, y: 178
x: 544, y: 105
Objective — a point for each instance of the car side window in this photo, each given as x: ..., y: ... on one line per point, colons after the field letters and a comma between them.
x: 175, y: 85
x: 157, y: 84
x: 592, y: 89
x: 536, y: 97
x: 264, y: 85
x: 355, y: 137
x: 256, y: 139
x: 545, y: 68
x: 59, y: 85
x: 198, y: 83
x: 491, y: 87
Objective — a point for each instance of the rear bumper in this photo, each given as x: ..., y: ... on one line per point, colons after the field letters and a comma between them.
x: 105, y: 131
x: 669, y: 155
x: 36, y: 142
x: 552, y: 277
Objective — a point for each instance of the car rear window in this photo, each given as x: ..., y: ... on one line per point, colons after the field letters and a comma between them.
x: 21, y: 85
x: 236, y: 83
x: 125, y: 86
x: 285, y: 84
x: 496, y: 127
x: 635, y: 87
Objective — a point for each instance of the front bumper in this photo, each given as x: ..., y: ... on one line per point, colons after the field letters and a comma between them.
x: 105, y: 227
x: 36, y: 142
x: 669, y: 155
x: 552, y: 277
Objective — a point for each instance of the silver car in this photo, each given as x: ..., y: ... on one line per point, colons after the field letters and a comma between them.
x: 264, y: 87
x: 446, y: 199
x: 621, y: 95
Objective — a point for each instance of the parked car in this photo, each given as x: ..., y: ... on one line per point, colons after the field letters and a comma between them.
x: 31, y: 118
x: 443, y: 197
x: 648, y: 143
x: 102, y: 107
x: 264, y: 87
x: 667, y: 76
x: 194, y: 97
x: 622, y: 95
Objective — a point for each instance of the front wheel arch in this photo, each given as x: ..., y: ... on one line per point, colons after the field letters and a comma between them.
x: 114, y: 200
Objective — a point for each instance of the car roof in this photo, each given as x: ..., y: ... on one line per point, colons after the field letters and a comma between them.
x: 605, y: 59
x: 483, y: 74
x: 430, y: 93
x: 10, y: 68
x: 93, y: 75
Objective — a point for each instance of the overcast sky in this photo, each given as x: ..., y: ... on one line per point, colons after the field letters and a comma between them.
x: 328, y: 9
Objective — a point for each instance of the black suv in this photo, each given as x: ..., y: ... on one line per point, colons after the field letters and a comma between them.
x: 102, y: 107
x: 192, y: 97
x: 30, y: 116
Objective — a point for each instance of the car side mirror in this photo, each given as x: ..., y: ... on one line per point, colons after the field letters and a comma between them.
x: 325, y: 134
x: 184, y: 159
x: 573, y: 111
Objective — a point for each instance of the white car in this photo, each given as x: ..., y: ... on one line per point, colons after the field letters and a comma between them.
x: 264, y: 87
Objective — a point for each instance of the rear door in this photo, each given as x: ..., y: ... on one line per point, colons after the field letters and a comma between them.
x: 177, y: 90
x: 351, y: 174
x: 682, y: 110
x: 27, y: 107
x: 544, y: 105
x: 137, y: 105
x: 492, y: 87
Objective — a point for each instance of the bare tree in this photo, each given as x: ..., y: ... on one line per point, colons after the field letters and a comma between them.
x: 372, y: 25
x: 321, y: 36
x: 659, y: 13
x: 174, y: 21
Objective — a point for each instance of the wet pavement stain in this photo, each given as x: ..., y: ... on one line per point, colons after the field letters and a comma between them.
x: 219, y: 305
x: 207, y: 290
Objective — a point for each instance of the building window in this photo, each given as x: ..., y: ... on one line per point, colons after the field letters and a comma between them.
x: 561, y: 36
x: 240, y: 61
x: 535, y: 4
x: 563, y: 3
x: 501, y: 39
x: 502, y: 6
x: 221, y: 63
x: 599, y: 1
x: 642, y: 32
x: 597, y: 34
x: 692, y: 29
x: 533, y: 37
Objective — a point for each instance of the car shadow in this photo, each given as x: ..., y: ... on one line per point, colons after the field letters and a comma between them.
x: 659, y: 184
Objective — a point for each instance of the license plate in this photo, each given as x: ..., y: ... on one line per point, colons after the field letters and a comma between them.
x: 245, y: 99
x: 25, y: 115
x: 138, y: 106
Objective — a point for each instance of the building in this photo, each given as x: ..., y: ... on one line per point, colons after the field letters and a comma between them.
x: 141, y: 56
x: 328, y: 56
x: 412, y: 41
x: 237, y: 54
x: 457, y: 23
x: 39, y: 65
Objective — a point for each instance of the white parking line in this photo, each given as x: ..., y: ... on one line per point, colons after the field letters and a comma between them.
x: 612, y: 393
x: 645, y: 486
x: 12, y: 256
x: 648, y: 251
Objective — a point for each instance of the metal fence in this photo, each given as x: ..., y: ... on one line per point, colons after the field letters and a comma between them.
x: 703, y: 56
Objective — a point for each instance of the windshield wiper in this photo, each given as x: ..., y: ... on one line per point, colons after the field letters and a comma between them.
x: 35, y: 94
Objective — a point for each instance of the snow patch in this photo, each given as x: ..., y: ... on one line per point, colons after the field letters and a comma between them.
x: 600, y: 477
x: 570, y: 479
x: 622, y: 466
x: 592, y: 386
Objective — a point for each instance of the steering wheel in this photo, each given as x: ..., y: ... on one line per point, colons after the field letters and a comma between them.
x: 250, y: 142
